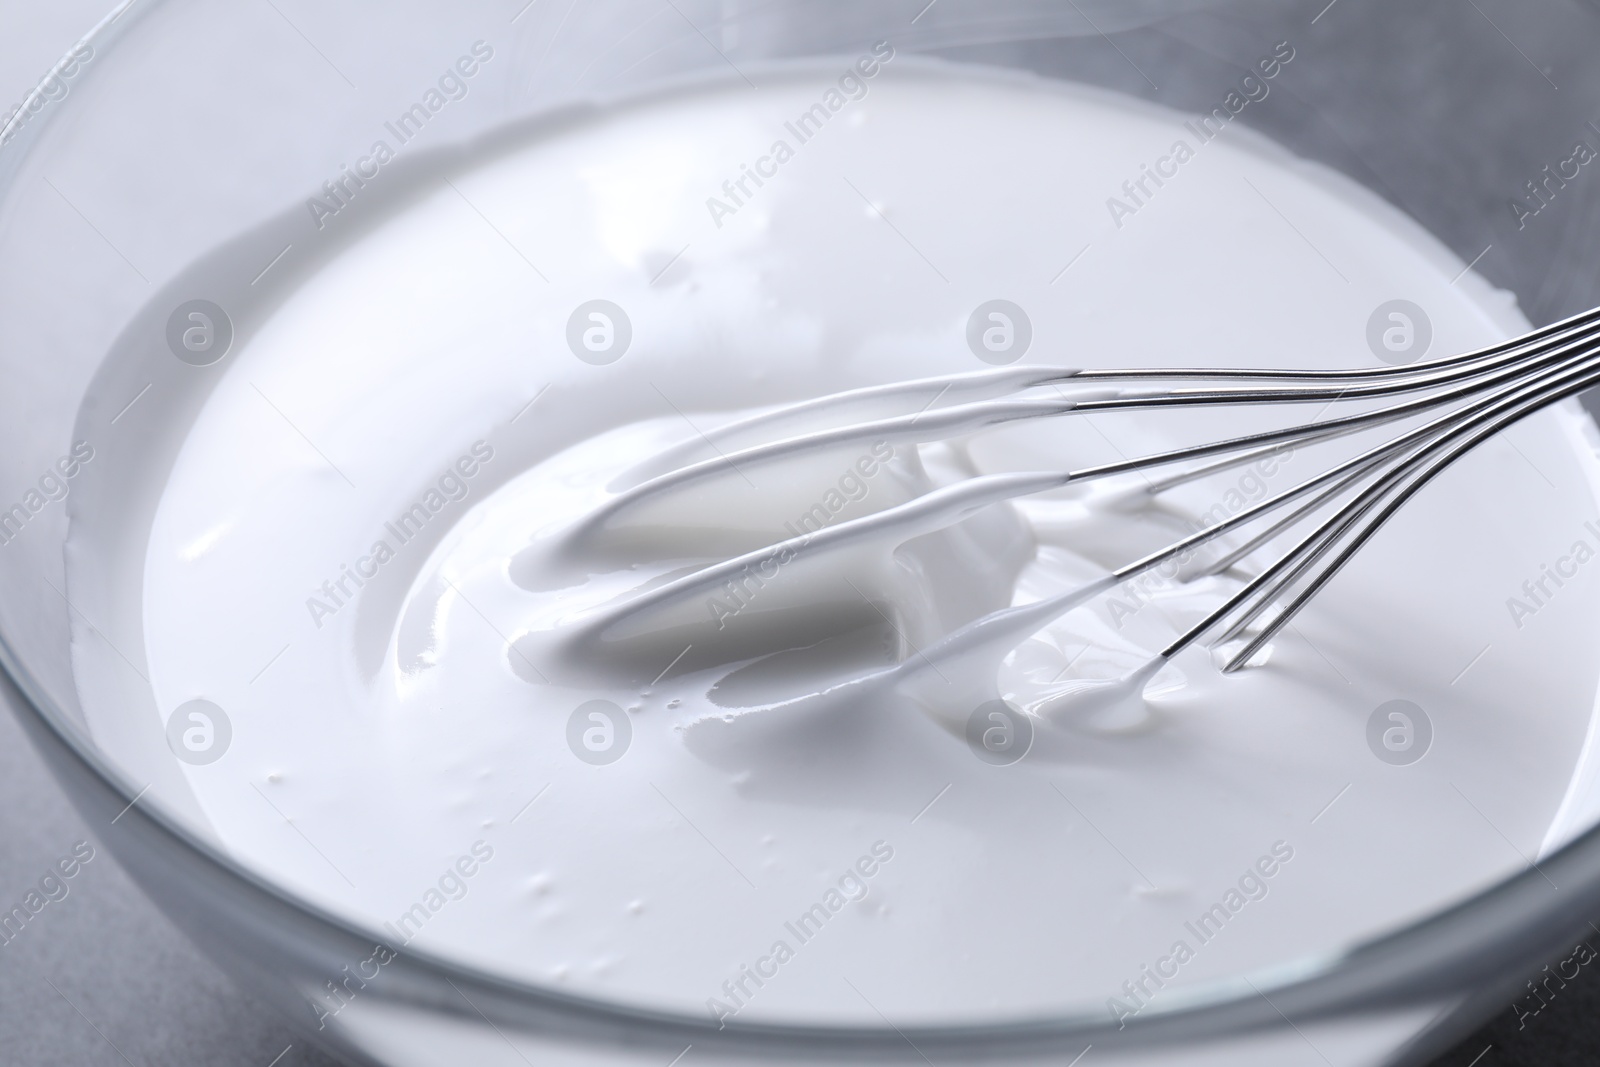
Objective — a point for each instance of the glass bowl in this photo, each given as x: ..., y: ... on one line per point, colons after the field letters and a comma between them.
x: 175, y: 128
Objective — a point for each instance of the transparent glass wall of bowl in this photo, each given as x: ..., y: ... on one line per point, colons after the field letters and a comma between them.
x: 193, y: 125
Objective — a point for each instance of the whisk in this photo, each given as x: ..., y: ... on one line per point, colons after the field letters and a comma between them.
x: 1458, y: 402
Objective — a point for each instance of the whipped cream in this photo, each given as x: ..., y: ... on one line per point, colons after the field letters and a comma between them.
x: 362, y: 552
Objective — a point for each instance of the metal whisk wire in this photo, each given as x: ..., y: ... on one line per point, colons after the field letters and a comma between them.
x: 1343, y: 534
x: 1528, y: 374
x: 1462, y: 401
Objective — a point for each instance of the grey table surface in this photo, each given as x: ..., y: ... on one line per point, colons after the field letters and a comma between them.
x: 104, y: 978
